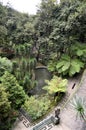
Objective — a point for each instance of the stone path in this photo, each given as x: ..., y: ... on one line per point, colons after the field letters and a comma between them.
x: 19, y: 126
x: 68, y: 114
x: 61, y: 126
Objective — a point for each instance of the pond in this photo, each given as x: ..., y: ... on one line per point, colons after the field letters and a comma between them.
x: 41, y: 74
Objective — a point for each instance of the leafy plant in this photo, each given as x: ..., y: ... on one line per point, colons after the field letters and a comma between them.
x: 52, y: 66
x: 4, y: 101
x: 37, y: 107
x: 69, y: 66
x: 16, y: 93
x: 5, y: 65
x: 56, y: 84
x: 79, y: 105
x: 23, y: 69
x: 28, y: 83
x: 79, y: 50
x: 7, y: 113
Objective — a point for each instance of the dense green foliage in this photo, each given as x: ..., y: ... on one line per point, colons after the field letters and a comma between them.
x: 56, y: 84
x: 7, y: 113
x: 5, y: 65
x: 12, y: 97
x: 55, y: 28
x: 67, y: 28
x: 67, y: 65
x: 55, y: 36
x: 19, y: 24
x: 23, y: 71
x: 4, y: 102
x: 37, y: 107
x: 16, y: 92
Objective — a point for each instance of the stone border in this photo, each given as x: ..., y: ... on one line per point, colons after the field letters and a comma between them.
x: 46, y: 124
x: 25, y: 118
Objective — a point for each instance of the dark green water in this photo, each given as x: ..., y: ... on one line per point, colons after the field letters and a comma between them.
x: 41, y: 74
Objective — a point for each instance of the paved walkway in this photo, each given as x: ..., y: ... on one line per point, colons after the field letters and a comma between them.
x: 68, y: 114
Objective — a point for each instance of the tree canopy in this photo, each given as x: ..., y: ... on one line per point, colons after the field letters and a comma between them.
x: 55, y: 36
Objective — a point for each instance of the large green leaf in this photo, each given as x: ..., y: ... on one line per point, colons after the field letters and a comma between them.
x: 60, y: 64
x: 79, y: 52
x: 65, y: 57
x: 69, y: 66
x: 66, y: 66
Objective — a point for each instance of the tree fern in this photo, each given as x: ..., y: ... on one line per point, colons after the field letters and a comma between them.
x: 56, y: 84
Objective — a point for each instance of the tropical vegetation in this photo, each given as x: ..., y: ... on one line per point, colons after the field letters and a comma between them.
x: 37, y: 107
x: 56, y: 87
x: 54, y: 37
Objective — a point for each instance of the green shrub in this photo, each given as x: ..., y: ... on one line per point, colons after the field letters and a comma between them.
x: 23, y: 69
x: 70, y: 63
x: 37, y: 107
x: 16, y: 93
x: 12, y: 96
x: 7, y: 113
x: 4, y: 101
x: 79, y: 50
x: 67, y: 65
x: 52, y: 65
x: 5, y: 65
x: 56, y: 84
